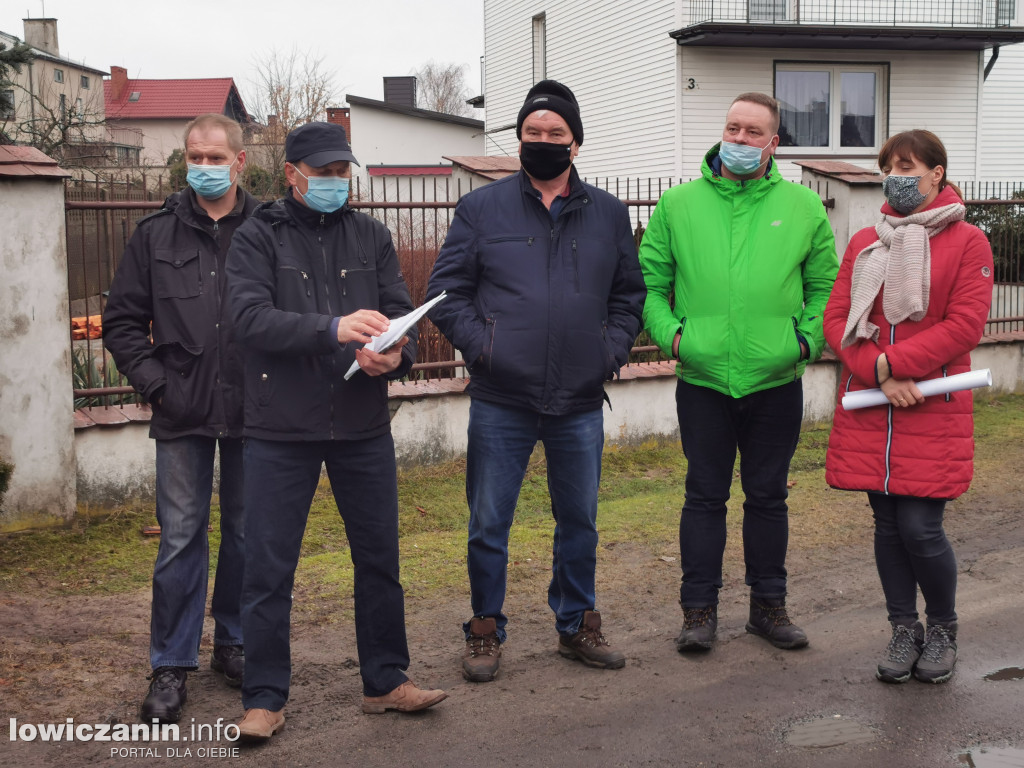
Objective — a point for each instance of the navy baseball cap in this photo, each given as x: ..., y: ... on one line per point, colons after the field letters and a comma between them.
x: 318, y: 144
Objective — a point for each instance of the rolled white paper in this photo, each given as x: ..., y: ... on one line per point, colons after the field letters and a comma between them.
x: 865, y: 398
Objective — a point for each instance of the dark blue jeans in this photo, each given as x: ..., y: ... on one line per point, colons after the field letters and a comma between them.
x: 501, y: 440
x: 281, y: 478
x: 764, y: 427
x: 184, y: 486
x: 911, y: 550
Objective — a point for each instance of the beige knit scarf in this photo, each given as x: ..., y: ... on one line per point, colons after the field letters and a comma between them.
x: 899, y: 264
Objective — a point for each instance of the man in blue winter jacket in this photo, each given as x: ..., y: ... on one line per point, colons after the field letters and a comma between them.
x: 544, y: 301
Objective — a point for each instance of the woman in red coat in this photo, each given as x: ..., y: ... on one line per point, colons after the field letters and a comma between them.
x: 909, y: 304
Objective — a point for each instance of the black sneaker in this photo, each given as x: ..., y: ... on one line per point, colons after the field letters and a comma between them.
x: 699, y: 628
x: 902, y: 653
x: 770, y: 620
x: 939, y: 654
x: 166, y: 695
x: 229, y: 660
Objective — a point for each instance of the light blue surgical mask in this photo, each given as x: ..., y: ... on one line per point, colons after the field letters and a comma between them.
x: 209, y: 181
x: 742, y: 159
x: 325, y: 194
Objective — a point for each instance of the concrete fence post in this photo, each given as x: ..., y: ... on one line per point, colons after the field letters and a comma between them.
x: 37, y: 458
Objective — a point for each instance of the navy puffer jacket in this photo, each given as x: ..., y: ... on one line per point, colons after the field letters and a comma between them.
x: 544, y: 311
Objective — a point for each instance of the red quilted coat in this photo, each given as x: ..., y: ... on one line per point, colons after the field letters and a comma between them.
x: 926, y: 450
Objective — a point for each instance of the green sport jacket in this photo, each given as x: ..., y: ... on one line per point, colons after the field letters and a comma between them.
x: 743, y: 269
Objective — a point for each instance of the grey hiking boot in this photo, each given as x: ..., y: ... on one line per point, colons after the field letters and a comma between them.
x: 902, y: 653
x: 939, y: 654
x: 769, y: 619
x: 483, y: 650
x: 699, y: 628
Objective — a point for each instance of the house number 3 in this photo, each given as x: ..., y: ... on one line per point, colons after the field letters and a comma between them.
x: 690, y: 83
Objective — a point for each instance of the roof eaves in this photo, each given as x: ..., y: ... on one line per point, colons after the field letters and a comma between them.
x: 425, y: 114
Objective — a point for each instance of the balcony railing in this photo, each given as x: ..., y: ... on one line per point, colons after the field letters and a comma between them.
x: 126, y: 137
x: 897, y: 13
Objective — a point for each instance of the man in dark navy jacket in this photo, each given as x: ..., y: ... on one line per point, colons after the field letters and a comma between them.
x: 544, y: 302
x: 311, y: 280
x: 171, y: 284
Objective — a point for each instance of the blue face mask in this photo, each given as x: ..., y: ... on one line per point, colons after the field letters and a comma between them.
x: 741, y: 159
x: 209, y: 181
x: 325, y: 194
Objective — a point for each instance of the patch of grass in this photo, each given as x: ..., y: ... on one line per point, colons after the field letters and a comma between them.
x: 641, y: 495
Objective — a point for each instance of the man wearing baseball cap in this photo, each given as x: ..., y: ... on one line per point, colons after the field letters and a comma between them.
x: 311, y: 281
x: 544, y: 302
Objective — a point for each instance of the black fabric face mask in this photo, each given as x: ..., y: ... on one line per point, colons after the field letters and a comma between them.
x: 545, y: 161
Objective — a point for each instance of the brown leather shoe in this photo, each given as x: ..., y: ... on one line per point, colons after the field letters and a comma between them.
x: 589, y: 646
x: 260, y: 724
x: 405, y: 698
x: 483, y: 651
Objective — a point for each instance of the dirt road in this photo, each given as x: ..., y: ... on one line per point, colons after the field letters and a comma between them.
x: 743, y: 704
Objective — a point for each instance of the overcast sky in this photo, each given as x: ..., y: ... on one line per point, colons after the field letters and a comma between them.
x: 361, y: 41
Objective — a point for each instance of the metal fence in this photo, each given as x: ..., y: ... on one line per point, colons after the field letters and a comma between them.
x: 928, y: 13
x: 100, y: 220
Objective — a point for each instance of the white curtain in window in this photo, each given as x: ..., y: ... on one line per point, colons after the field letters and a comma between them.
x: 804, y: 104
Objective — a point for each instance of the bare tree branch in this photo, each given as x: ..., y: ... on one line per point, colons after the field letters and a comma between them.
x: 442, y: 88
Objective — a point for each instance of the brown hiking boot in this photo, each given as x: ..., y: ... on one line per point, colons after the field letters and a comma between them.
x: 589, y: 646
x: 405, y: 698
x: 483, y: 651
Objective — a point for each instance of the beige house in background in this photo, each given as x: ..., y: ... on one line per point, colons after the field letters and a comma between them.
x: 159, y: 110
x: 54, y: 103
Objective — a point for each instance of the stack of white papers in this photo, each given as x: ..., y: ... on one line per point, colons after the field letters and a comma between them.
x: 396, y: 330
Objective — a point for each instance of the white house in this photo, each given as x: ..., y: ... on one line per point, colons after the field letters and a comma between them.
x: 400, y: 147
x: 654, y: 78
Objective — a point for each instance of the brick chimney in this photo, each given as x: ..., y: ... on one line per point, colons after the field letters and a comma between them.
x: 341, y: 116
x: 42, y: 34
x: 118, y: 82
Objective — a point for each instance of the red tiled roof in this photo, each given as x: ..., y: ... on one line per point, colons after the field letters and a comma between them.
x: 183, y: 99
x: 28, y: 161
x: 409, y: 170
x: 489, y: 166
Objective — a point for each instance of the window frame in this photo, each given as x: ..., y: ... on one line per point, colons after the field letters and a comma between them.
x: 882, y: 72
x: 85, y: 82
x: 58, y: 75
x: 8, y: 107
x: 539, y: 46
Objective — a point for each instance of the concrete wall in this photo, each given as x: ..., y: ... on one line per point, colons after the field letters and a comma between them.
x: 36, y: 433
x: 117, y: 463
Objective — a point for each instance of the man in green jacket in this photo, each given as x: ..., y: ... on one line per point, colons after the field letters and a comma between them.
x: 738, y: 265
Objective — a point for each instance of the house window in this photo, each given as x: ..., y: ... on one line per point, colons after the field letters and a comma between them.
x: 85, y: 82
x: 63, y: 108
x: 58, y: 75
x: 79, y: 109
x: 6, y: 104
x: 769, y: 10
x: 134, y: 95
x: 831, y: 108
x: 540, y: 48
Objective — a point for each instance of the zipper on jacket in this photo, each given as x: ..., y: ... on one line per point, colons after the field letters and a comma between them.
x: 949, y: 395
x: 888, y: 426
x: 576, y: 264
x: 327, y: 283
x: 344, y: 289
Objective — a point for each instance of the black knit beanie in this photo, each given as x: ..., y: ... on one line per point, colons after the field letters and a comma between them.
x: 549, y: 94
